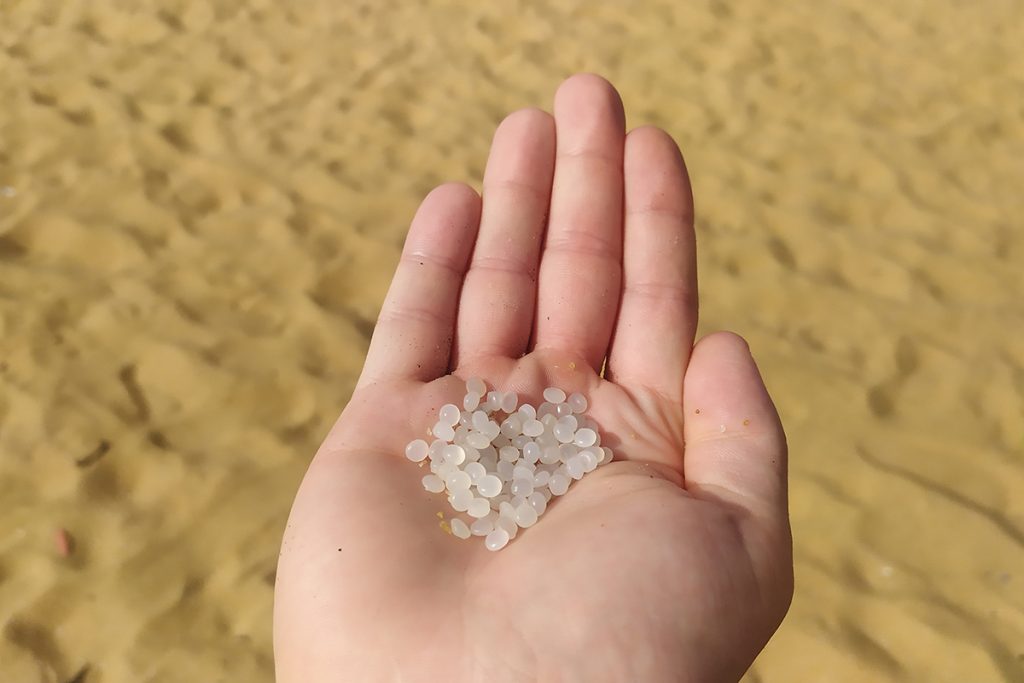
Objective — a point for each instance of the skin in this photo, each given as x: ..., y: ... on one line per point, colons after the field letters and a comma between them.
x: 673, y: 563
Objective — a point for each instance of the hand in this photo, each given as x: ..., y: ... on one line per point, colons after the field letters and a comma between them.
x: 672, y: 563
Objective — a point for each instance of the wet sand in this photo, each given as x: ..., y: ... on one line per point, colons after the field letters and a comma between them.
x: 200, y: 208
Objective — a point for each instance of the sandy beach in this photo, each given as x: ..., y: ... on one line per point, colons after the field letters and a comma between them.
x: 201, y: 204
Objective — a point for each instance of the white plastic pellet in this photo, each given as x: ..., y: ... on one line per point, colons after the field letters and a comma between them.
x: 459, y: 528
x: 417, y: 450
x: 479, y: 508
x: 460, y: 499
x: 527, y: 412
x: 574, y: 466
x: 526, y: 515
x: 538, y: 502
x: 456, y: 455
x: 508, y: 524
x: 443, y: 431
x: 508, y: 453
x: 549, y: 455
x: 475, y: 385
x: 471, y: 401
x: 475, y: 470
x: 497, y: 539
x: 481, y: 527
x: 585, y: 437
x: 509, y: 402
x: 506, y: 509
x: 478, y: 440
x: 558, y: 484
x: 563, y: 410
x: 533, y: 428
x: 521, y: 487
x: 522, y: 470
x: 488, y: 486
x: 564, y: 433
x: 433, y: 483
x: 512, y: 426
x: 541, y: 479
x: 554, y: 395
x: 449, y: 414
x: 457, y: 480
x: 531, y: 452
x: 505, y: 469
x: 589, y: 460
x: 493, y: 400
x: 578, y: 402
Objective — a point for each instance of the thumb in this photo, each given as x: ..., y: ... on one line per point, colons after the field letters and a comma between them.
x: 735, y: 446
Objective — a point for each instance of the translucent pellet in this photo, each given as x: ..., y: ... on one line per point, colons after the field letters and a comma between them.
x: 497, y: 539
x: 471, y: 401
x: 454, y: 454
x: 533, y: 428
x: 479, y: 508
x: 493, y: 400
x: 443, y: 431
x: 554, y: 395
x: 549, y: 455
x: 521, y: 487
x: 457, y: 480
x: 558, y: 484
x: 488, y: 486
x: 527, y: 412
x: 563, y: 410
x: 508, y: 453
x: 508, y: 524
x: 526, y: 515
x: 574, y: 466
x: 531, y: 452
x: 607, y: 455
x: 461, y: 499
x: 512, y: 426
x: 417, y: 450
x: 475, y: 470
x: 481, y: 527
x: 567, y: 451
x: 509, y: 402
x: 564, y: 433
x: 459, y: 528
x: 475, y: 385
x: 478, y: 440
x: 523, y: 470
x: 505, y: 470
x: 541, y: 479
x: 538, y: 502
x: 433, y: 483
x: 578, y: 402
x: 589, y: 460
x: 585, y: 437
x: 449, y: 414
x: 506, y: 509
x: 492, y: 430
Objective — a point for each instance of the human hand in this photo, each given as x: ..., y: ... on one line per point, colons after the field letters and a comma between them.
x: 672, y: 563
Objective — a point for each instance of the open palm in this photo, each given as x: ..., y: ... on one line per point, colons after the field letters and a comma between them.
x: 673, y: 562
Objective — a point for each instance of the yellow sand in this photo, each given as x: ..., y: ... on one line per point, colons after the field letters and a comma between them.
x: 207, y: 199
